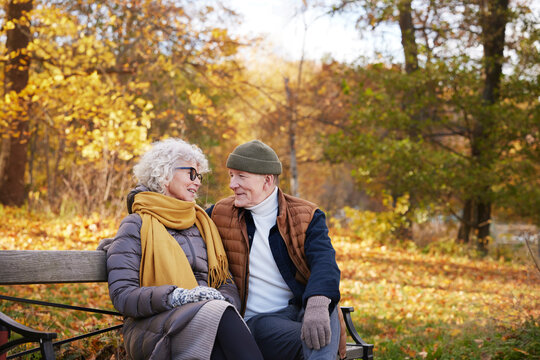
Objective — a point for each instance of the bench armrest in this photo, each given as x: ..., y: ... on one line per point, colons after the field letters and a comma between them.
x: 367, y: 348
x: 28, y: 334
x: 25, y: 330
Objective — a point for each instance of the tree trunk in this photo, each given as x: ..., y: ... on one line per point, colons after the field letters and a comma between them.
x: 494, y: 19
x: 15, y: 150
x: 410, y: 52
x: 466, y: 222
x: 294, y: 165
x: 484, y: 222
x: 291, y: 115
x: 408, y: 36
x: 494, y: 16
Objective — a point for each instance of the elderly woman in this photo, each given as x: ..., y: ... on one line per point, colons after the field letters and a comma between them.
x: 167, y: 269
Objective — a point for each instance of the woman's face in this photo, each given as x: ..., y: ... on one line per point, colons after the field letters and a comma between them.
x: 181, y: 186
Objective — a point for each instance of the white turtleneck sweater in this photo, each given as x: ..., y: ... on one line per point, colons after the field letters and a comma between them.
x: 268, y: 292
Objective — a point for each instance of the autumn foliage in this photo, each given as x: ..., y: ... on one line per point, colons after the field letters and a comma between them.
x: 408, y: 302
x: 385, y: 147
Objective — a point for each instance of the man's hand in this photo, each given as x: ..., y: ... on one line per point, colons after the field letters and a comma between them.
x: 316, y: 331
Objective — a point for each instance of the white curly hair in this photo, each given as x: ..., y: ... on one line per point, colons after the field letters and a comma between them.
x: 156, y: 166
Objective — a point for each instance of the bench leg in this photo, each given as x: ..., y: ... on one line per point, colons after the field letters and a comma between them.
x: 47, y: 351
x: 4, y: 337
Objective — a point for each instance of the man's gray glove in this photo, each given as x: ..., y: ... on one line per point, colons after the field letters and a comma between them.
x: 181, y: 296
x: 316, y: 331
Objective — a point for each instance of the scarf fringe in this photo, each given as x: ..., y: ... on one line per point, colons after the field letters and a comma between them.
x: 217, y: 276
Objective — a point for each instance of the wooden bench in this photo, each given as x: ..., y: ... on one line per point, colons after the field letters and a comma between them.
x: 18, y: 267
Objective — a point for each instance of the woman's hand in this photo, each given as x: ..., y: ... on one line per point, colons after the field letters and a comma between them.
x: 182, y: 296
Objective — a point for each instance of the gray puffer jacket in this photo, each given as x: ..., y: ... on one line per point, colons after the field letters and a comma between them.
x: 150, y: 322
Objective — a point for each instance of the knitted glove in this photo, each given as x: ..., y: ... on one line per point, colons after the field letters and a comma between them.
x: 316, y: 325
x: 175, y: 297
x: 207, y: 293
x: 183, y: 296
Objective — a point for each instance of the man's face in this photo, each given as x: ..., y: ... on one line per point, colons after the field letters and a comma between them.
x: 250, y: 189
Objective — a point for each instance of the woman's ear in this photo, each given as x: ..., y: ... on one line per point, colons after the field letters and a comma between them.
x: 166, y: 189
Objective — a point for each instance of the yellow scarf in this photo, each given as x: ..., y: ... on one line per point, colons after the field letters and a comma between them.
x: 163, y: 261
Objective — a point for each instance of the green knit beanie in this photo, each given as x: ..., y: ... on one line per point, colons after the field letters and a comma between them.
x: 255, y: 157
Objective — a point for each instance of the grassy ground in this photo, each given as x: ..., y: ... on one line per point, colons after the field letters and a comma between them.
x: 410, y: 304
x: 424, y: 306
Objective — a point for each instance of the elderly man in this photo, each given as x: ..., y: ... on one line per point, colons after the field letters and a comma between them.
x: 281, y: 258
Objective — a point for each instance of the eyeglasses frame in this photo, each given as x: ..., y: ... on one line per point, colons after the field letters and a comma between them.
x: 193, y: 174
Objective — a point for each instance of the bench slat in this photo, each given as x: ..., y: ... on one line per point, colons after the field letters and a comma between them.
x: 354, y: 351
x: 49, y: 267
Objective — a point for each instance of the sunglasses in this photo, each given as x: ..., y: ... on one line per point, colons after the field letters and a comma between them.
x: 193, y: 174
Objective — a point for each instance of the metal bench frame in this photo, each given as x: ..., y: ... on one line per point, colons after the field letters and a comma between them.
x: 19, y: 267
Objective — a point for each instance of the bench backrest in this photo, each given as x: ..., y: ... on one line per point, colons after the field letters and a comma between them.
x: 19, y: 267
x: 50, y: 266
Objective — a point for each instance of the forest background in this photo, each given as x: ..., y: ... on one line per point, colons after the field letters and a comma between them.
x: 428, y: 168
